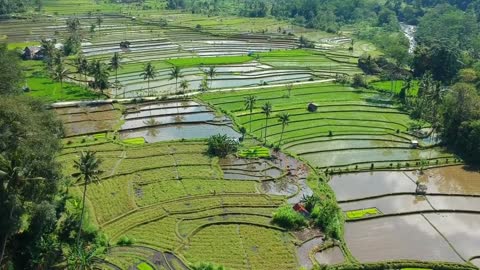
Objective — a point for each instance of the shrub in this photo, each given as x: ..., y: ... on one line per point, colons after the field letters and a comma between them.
x: 125, y: 241
x: 207, y: 266
x: 221, y: 145
x: 288, y: 218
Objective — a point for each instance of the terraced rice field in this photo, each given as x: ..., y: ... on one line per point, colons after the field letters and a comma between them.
x: 410, y: 224
x: 352, y: 128
x: 180, y: 206
x: 241, y: 59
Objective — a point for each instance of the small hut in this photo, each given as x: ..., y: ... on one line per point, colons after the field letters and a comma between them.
x: 414, y: 144
x: 312, y: 107
x: 33, y: 53
x: 300, y: 208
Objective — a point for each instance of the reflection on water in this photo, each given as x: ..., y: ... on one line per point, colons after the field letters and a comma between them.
x: 450, y: 180
x: 461, y: 230
x: 329, y: 256
x: 178, y: 132
x: 361, y: 185
x: 397, y: 238
x: 391, y: 204
x: 303, y: 252
x: 279, y: 188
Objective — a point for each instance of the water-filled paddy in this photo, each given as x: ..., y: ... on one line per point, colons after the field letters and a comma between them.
x: 303, y: 251
x: 397, y: 238
x: 450, y: 180
x: 391, y: 204
x: 347, y: 157
x: 455, y: 203
x: 361, y: 185
x: 461, y: 230
x: 331, y: 255
x: 178, y: 132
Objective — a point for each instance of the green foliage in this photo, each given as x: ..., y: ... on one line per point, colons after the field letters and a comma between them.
x: 135, y: 141
x: 144, y: 266
x: 125, y: 241
x: 10, y: 72
x: 221, y: 145
x: 207, y: 266
x: 361, y: 213
x: 209, y: 61
x: 288, y: 218
x: 254, y: 152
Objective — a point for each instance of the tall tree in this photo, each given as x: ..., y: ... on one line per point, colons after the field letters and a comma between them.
x: 149, y: 73
x: 175, y: 73
x: 88, y: 171
x: 99, y: 21
x: 82, y: 67
x: 100, y: 74
x: 115, y: 64
x: 267, y: 110
x: 11, y: 75
x: 211, y: 72
x: 249, y: 105
x: 184, y: 85
x: 60, y: 73
x: 29, y: 142
x: 283, y: 119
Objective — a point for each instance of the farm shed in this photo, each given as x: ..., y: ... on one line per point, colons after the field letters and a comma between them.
x: 33, y: 53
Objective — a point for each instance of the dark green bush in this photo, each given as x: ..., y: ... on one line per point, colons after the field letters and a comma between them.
x: 221, y: 145
x: 125, y: 241
x: 288, y: 218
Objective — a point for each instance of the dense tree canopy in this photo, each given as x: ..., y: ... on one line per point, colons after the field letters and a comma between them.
x: 10, y: 72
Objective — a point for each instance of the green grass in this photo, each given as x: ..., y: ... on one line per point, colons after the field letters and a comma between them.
x: 43, y: 87
x: 395, y: 86
x: 254, y: 152
x: 209, y: 61
x: 144, y: 266
x: 135, y: 141
x: 361, y: 213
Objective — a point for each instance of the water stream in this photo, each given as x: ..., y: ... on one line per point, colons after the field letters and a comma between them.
x: 409, y: 31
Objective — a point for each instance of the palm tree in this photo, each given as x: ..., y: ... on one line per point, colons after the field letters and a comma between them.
x: 289, y: 88
x: 88, y: 171
x: 267, y: 110
x: 100, y: 74
x: 59, y: 74
x: 211, y: 72
x: 99, y: 22
x: 249, y: 105
x: 284, y: 119
x: 12, y: 180
x: 148, y: 74
x: 49, y: 51
x: 115, y: 64
x: 184, y: 85
x: 175, y: 73
x: 82, y: 257
x: 82, y: 67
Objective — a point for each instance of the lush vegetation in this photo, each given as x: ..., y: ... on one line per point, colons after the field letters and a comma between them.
x: 288, y: 218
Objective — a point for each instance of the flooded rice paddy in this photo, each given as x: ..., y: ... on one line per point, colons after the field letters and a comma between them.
x: 391, y: 204
x: 174, y: 121
x: 362, y: 185
x: 333, y: 255
x: 461, y: 230
x: 397, y: 238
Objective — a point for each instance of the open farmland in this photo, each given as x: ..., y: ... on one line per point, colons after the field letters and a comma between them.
x: 172, y: 197
x: 351, y: 129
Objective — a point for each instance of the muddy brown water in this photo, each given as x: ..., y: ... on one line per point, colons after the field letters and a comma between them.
x: 333, y: 255
x: 455, y: 203
x: 279, y: 188
x: 461, y: 230
x: 88, y: 127
x: 361, y: 185
x: 450, y: 180
x: 397, y: 238
x: 83, y: 109
x: 391, y: 204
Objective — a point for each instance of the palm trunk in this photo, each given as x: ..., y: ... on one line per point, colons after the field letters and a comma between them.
x: 5, y: 238
x: 116, y: 82
x: 83, y: 213
x: 281, y: 135
x: 148, y: 87
x: 250, y: 120
x: 266, y: 125
x: 176, y: 85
